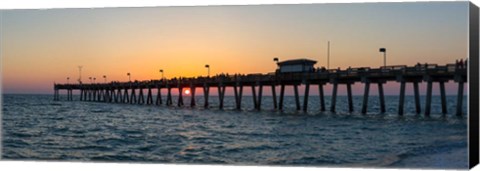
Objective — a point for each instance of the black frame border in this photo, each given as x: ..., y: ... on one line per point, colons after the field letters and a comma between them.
x: 473, y: 78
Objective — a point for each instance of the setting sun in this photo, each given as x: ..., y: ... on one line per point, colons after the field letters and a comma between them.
x: 187, y: 91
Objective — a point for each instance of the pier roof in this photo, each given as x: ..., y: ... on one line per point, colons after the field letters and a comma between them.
x: 297, y: 61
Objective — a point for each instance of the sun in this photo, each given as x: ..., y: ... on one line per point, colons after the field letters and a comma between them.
x: 187, y: 91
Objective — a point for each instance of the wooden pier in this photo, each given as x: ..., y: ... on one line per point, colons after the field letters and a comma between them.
x: 125, y: 92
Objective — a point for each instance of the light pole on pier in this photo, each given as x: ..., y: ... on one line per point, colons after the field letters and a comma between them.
x: 68, y: 78
x: 129, y: 77
x: 105, y: 77
x: 80, y: 74
x: 208, y: 67
x: 90, y: 78
x: 94, y: 79
x: 384, y: 50
x: 161, y: 71
x: 276, y: 61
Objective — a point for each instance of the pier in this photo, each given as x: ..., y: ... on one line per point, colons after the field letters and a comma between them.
x: 125, y: 92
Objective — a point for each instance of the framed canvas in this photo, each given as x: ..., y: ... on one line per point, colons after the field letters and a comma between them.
x: 324, y: 85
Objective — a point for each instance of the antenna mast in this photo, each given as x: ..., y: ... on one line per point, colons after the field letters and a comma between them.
x: 328, y: 55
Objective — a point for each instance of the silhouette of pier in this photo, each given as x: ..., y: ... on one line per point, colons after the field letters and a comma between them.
x: 126, y: 92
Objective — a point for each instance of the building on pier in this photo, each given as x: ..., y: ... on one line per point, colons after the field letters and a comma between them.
x: 296, y: 65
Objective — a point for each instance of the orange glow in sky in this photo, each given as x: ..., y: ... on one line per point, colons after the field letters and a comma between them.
x: 40, y: 47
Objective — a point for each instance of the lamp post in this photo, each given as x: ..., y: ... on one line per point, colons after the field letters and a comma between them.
x: 129, y: 77
x: 161, y: 71
x: 90, y: 78
x: 68, y: 78
x: 80, y: 74
x: 384, y: 50
x: 208, y: 67
x: 276, y: 61
x: 105, y: 77
x: 94, y: 79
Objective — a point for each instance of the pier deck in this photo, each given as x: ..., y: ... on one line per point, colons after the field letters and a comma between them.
x: 125, y: 92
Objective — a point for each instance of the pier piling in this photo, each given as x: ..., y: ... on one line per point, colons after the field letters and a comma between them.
x: 443, y: 97
x: 282, y: 93
x: 350, y: 100
x: 305, y: 97
x: 365, y: 98
x: 417, y: 97
x: 297, y: 100
x: 169, y: 96
x: 334, y: 97
x: 274, y: 97
x: 206, y: 91
x: 428, y: 102
x: 260, y: 90
x: 460, y: 99
x: 382, y: 97
x: 254, y: 96
x: 158, y: 102
x: 192, y: 96
x: 321, y: 96
x: 402, y: 98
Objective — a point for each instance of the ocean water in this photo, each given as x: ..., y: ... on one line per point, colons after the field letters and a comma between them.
x: 37, y: 128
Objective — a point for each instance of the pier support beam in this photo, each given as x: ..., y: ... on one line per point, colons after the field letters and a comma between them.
x: 322, y: 97
x: 417, y: 97
x: 133, y: 97
x: 402, y: 98
x: 334, y: 97
x: 254, y: 96
x: 141, y: 100
x: 297, y: 100
x: 260, y: 90
x: 169, y: 96
x: 81, y: 94
x: 106, y: 95
x: 274, y: 96
x: 365, y: 97
x: 305, y: 97
x: 118, y: 97
x: 55, y: 95
x: 111, y: 95
x: 149, y: 96
x: 235, y: 92
x: 192, y: 96
x: 238, y: 90
x: 126, y: 98
x: 221, y: 95
x: 443, y: 97
x: 90, y: 94
x: 206, y: 90
x: 428, y: 102
x: 460, y: 98
x: 382, y: 97
x: 350, y: 100
x: 158, y: 102
x: 180, y: 97
x: 99, y: 95
x: 94, y: 96
x: 282, y: 93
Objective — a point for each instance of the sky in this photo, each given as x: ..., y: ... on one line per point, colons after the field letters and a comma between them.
x: 40, y: 47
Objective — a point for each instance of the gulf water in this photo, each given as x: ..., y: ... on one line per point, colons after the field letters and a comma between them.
x: 37, y: 128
